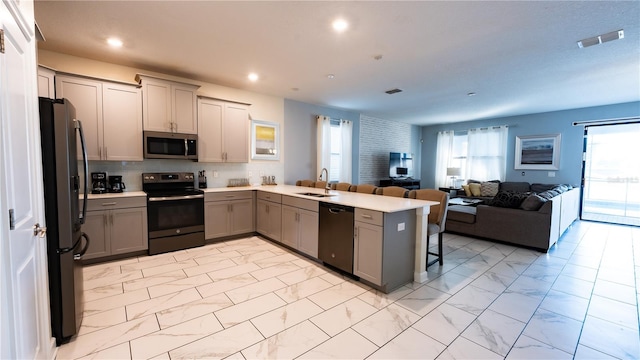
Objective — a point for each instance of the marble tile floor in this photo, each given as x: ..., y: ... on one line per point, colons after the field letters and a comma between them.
x: 250, y: 298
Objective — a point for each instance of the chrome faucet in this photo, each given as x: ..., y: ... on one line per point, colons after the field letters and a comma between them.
x: 326, y: 172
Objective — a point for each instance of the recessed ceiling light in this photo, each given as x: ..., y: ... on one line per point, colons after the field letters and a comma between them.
x: 340, y: 25
x: 253, y: 77
x: 114, y: 42
x: 471, y: 94
x: 331, y: 76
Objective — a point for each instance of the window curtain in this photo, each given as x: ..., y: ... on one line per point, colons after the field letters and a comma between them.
x: 324, y: 143
x: 487, y: 153
x: 346, y: 133
x: 443, y: 154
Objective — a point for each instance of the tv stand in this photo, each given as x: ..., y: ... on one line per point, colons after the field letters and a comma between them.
x: 407, y: 183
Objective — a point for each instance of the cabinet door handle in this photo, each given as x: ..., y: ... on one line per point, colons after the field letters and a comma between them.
x: 104, y: 219
x: 355, y: 233
x: 109, y: 203
x: 267, y: 209
x: 100, y: 152
x: 106, y: 153
x: 367, y: 216
x: 229, y: 196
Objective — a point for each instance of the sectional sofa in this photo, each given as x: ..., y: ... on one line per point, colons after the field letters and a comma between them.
x: 533, y: 216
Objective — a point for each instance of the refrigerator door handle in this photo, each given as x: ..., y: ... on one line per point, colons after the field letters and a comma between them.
x: 79, y: 255
x: 78, y: 125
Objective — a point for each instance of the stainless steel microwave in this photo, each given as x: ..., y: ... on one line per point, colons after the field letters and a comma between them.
x: 164, y: 145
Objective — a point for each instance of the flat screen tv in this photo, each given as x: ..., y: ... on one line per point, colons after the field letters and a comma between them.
x: 400, y: 165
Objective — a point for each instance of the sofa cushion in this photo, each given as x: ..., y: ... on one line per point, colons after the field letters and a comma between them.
x: 514, y: 186
x: 533, y: 202
x: 489, y: 188
x: 508, y: 199
x: 462, y: 213
x: 475, y: 189
x: 466, y: 189
x: 538, y: 188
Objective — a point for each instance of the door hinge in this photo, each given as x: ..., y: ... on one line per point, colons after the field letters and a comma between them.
x: 1, y: 41
x: 12, y: 219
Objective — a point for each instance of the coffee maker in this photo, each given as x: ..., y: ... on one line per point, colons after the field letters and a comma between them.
x: 115, y: 184
x: 98, y: 182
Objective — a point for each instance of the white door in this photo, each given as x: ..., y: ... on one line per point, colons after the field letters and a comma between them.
x: 24, y: 297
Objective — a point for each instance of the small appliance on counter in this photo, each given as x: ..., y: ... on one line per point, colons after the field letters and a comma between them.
x: 115, y: 184
x: 202, y: 179
x: 99, y: 182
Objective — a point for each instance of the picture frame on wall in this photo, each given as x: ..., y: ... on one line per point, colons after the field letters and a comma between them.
x: 265, y: 140
x: 538, y: 152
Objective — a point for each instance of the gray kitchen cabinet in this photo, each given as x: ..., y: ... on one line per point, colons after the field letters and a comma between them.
x: 168, y: 106
x: 367, y: 252
x: 269, y: 215
x: 300, y: 221
x: 382, y: 244
x: 228, y: 213
x: 111, y: 115
x: 116, y: 226
x: 223, y: 129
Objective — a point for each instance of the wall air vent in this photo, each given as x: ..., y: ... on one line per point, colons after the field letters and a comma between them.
x: 614, y: 35
x: 393, y: 91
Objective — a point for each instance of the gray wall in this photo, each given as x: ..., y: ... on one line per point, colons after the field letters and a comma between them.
x: 379, y: 137
x: 300, y: 139
x: 535, y: 124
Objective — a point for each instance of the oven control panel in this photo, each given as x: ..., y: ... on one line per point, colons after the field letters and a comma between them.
x: 148, y: 178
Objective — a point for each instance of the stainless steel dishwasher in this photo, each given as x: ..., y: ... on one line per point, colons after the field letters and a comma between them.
x: 335, y: 236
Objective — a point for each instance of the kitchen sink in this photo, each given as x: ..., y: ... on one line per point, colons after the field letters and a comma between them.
x: 315, y: 194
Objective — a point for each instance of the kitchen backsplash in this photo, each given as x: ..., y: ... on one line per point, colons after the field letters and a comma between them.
x: 132, y: 171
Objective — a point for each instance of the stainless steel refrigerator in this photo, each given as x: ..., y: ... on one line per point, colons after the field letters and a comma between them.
x: 66, y: 243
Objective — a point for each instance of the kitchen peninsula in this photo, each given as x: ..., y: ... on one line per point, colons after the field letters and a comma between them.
x: 394, y: 217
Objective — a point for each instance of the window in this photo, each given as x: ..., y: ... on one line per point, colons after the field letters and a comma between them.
x: 336, y: 151
x: 480, y: 154
x: 334, y: 148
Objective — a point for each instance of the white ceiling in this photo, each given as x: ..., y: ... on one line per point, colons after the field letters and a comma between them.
x: 519, y: 57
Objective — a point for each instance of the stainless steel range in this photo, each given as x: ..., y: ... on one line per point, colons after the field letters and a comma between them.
x: 175, y: 211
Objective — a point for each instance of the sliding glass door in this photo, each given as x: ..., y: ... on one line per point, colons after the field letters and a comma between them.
x: 612, y: 174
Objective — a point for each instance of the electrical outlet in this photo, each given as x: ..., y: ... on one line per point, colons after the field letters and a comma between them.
x: 400, y: 226
x: 215, y: 174
x: 551, y: 174
x: 522, y: 173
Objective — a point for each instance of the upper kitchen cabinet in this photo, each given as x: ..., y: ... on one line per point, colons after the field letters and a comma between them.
x: 111, y: 115
x: 46, y: 85
x: 223, y: 129
x: 168, y: 105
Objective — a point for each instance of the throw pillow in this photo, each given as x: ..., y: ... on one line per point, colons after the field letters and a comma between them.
x: 489, y: 189
x: 508, y: 199
x: 475, y: 189
x: 533, y: 202
x: 466, y: 189
x: 547, y: 194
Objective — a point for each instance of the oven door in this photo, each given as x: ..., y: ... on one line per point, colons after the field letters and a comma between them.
x: 175, y: 215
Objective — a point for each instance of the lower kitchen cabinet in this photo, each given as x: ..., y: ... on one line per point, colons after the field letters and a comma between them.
x: 228, y: 213
x: 300, y: 224
x: 384, y: 247
x: 367, y: 252
x: 116, y: 226
x: 269, y: 215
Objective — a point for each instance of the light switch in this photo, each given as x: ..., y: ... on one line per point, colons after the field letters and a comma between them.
x: 401, y: 227
x: 551, y: 174
x: 215, y: 174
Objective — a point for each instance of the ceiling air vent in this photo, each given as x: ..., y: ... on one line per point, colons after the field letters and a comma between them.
x: 393, y: 91
x: 614, y: 35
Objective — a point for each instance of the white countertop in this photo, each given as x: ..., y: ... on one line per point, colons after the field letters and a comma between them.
x: 381, y: 203
x: 115, y: 195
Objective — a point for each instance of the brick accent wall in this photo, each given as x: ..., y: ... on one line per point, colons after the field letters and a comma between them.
x: 379, y: 137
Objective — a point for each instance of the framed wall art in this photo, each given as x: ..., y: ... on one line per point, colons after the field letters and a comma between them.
x: 265, y: 140
x: 538, y: 152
